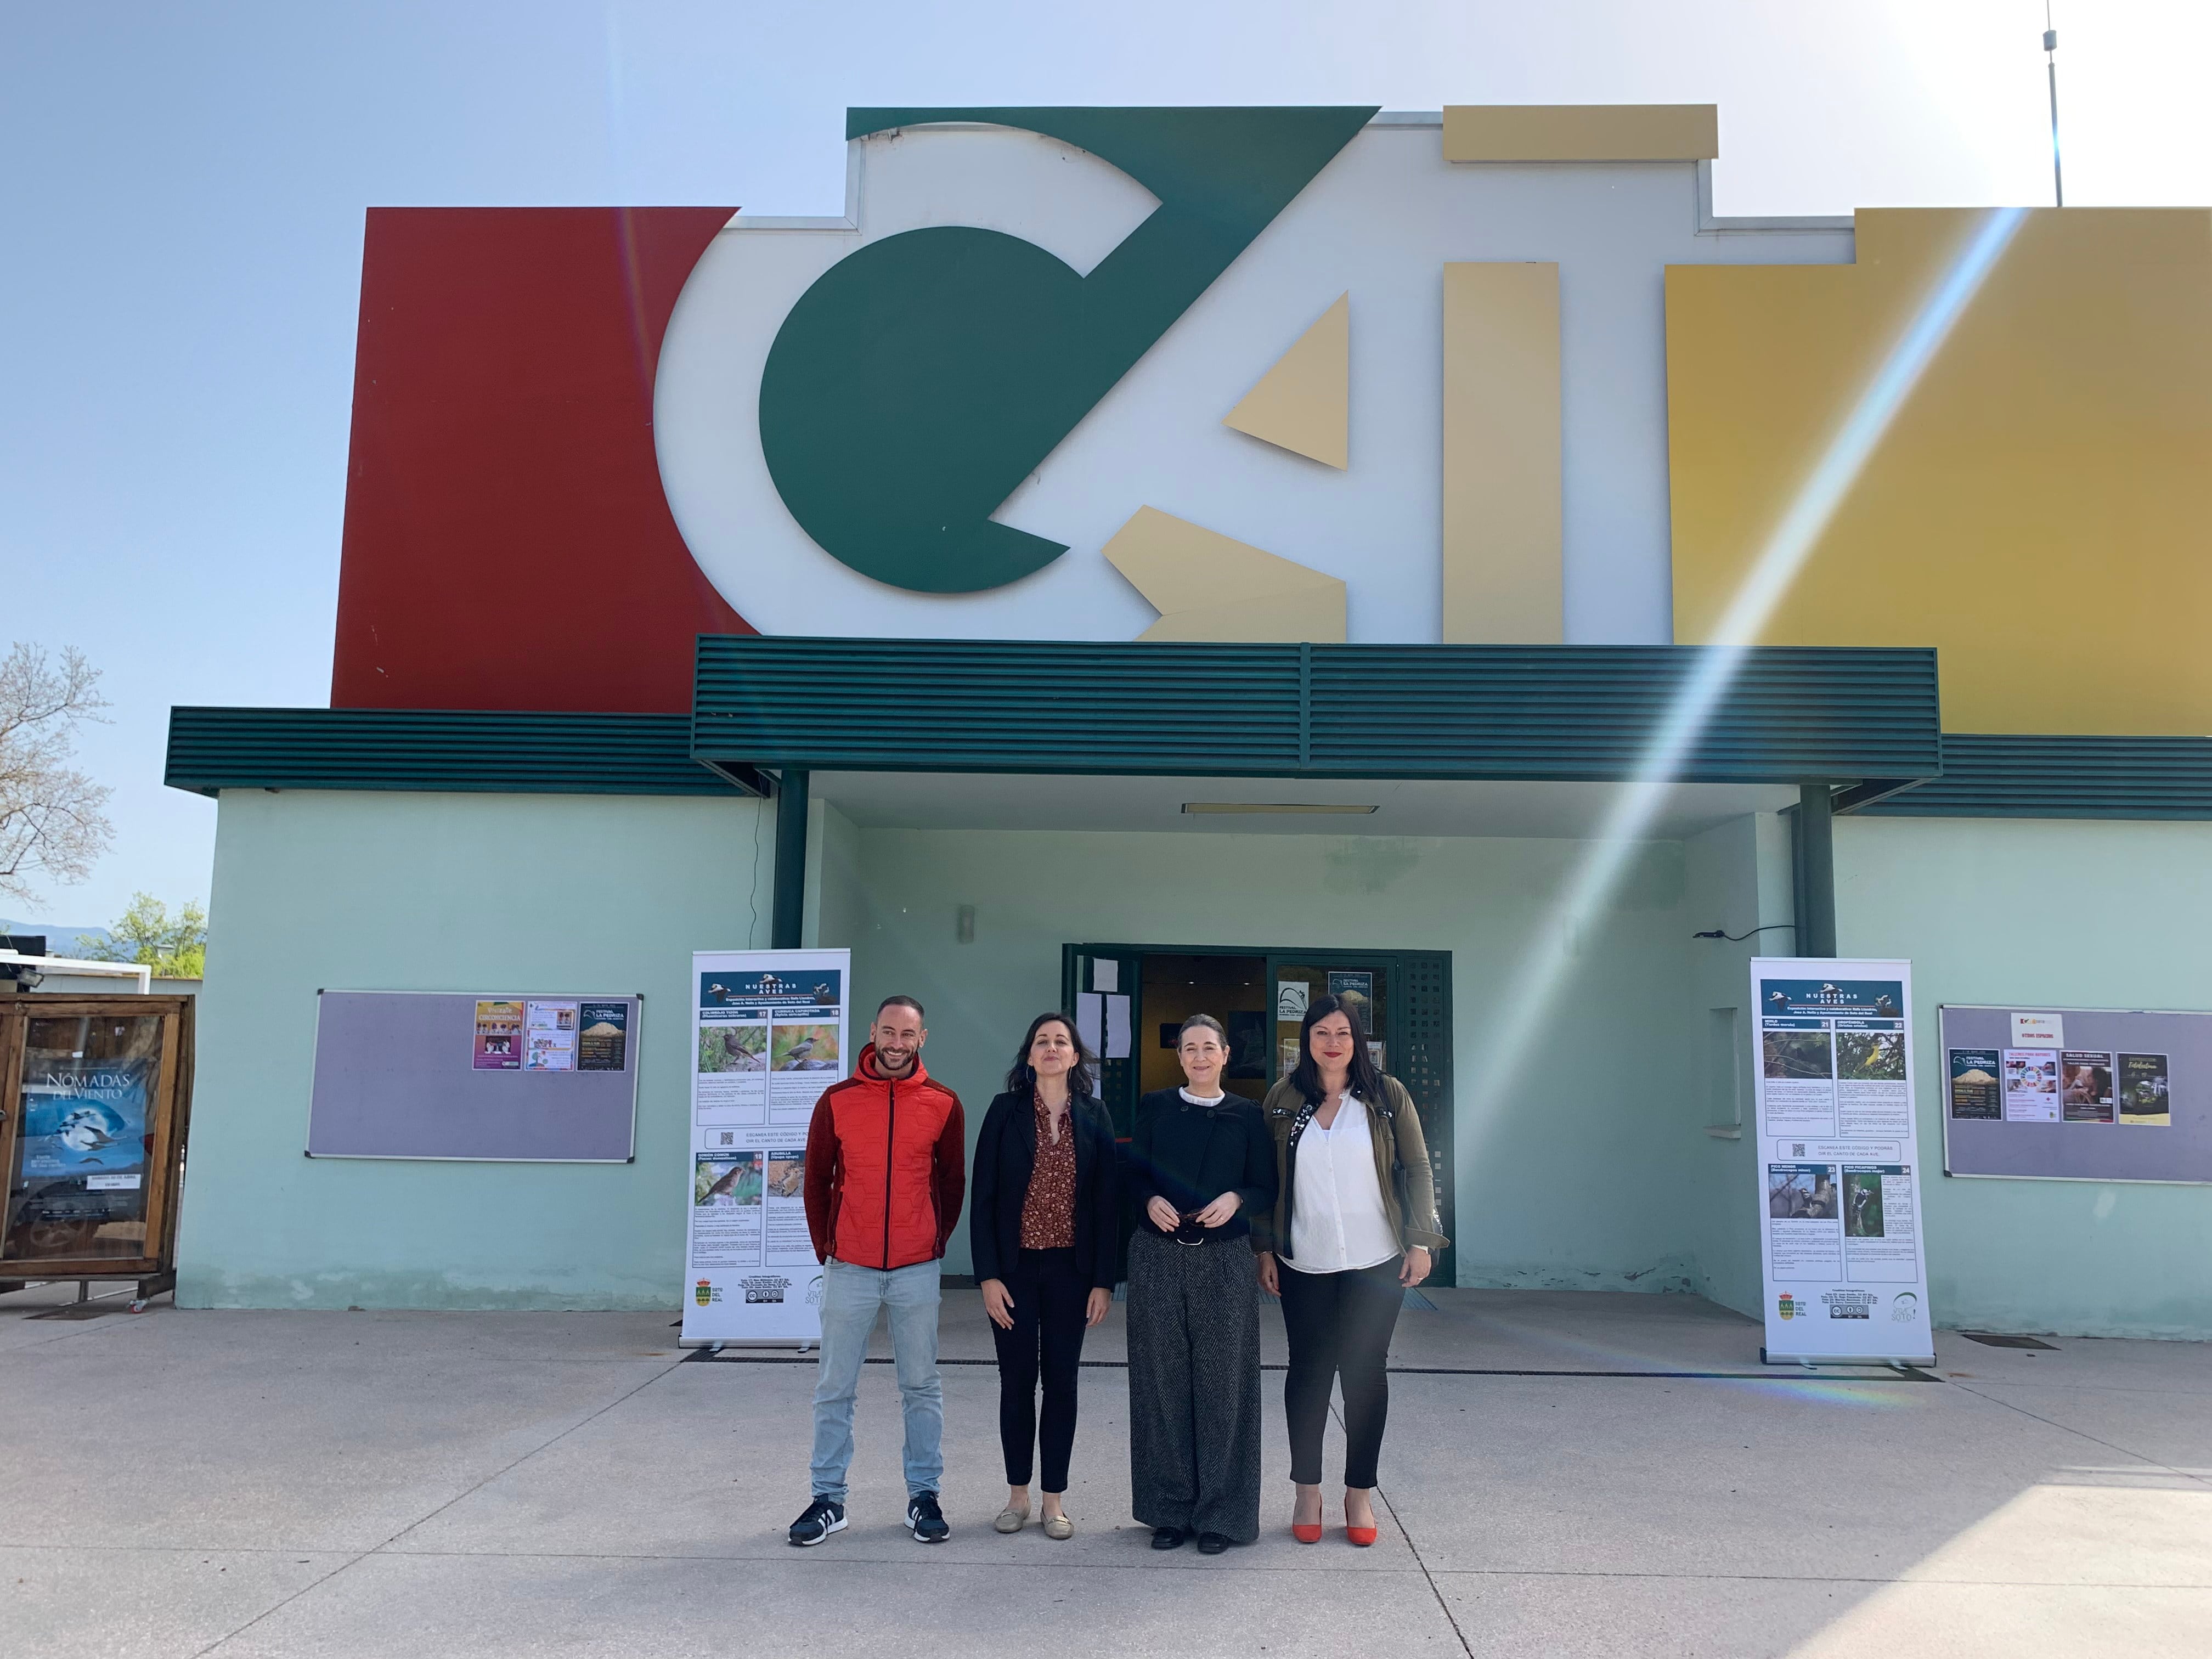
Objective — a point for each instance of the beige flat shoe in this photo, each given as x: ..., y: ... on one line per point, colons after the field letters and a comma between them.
x: 1058, y: 1526
x: 1010, y: 1520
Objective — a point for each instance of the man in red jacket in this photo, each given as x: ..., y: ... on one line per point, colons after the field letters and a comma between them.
x: 886, y: 1169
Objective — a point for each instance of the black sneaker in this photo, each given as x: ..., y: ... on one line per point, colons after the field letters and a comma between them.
x: 822, y: 1518
x: 928, y: 1521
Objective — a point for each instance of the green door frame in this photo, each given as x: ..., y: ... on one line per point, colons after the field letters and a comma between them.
x: 1419, y: 1045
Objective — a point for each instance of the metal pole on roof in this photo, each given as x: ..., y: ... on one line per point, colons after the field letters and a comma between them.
x: 2050, y: 59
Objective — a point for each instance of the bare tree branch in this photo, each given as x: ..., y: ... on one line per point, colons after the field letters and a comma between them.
x: 51, y: 822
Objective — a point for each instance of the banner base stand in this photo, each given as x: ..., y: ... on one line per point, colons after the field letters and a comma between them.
x: 716, y: 1344
x: 1895, y: 1361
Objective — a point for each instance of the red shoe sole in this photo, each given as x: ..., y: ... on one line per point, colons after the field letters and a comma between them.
x: 1363, y: 1536
x: 1306, y: 1534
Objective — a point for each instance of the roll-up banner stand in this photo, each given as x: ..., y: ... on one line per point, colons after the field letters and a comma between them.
x: 1845, y: 1275
x: 770, y: 1032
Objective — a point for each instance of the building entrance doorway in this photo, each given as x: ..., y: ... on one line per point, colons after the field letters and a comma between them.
x: 1131, y: 999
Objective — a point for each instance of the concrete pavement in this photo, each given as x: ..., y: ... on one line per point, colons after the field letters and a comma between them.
x: 385, y: 1484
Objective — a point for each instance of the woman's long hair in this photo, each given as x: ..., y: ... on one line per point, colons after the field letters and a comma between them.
x: 1362, y: 1079
x: 1021, y: 1076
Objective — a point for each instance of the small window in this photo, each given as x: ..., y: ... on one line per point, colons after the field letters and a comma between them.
x: 1723, y: 1085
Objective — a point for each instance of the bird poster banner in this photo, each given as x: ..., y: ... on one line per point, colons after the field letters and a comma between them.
x: 770, y: 1034
x: 1845, y: 1275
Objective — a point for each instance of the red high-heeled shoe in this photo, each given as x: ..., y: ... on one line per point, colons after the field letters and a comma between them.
x: 1305, y: 1533
x: 1362, y: 1536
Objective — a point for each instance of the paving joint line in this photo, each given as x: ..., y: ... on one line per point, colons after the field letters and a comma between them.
x: 1413, y: 1549
x: 343, y: 1566
x: 2068, y: 1428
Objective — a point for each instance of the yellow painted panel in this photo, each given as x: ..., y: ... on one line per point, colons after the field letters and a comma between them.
x: 1582, y: 132
x: 1303, y: 403
x: 1207, y: 586
x: 1313, y: 616
x: 1501, y: 441
x: 2040, y: 510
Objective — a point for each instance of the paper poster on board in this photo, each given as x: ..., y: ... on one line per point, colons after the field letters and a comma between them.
x: 770, y: 1031
x: 603, y: 1038
x: 499, y: 1039
x: 1844, y: 1271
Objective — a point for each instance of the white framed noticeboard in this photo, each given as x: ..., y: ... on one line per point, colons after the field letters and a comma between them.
x: 1843, y: 1267
x: 770, y: 1031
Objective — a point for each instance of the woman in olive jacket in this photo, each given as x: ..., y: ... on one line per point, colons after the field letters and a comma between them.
x: 1043, y: 1226
x: 1352, y: 1229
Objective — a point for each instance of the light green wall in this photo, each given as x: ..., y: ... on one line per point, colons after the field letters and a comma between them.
x: 1584, y: 1174
x: 1595, y: 1169
x: 367, y: 890
x: 1740, y: 880
x: 2044, y: 913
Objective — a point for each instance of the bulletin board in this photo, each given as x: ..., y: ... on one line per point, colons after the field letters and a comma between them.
x: 2076, y: 1094
x: 523, y: 1077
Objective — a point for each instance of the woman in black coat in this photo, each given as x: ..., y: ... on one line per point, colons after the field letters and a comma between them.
x: 1042, y: 1231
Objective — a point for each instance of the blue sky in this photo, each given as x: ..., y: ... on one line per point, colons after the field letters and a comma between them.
x: 183, y: 189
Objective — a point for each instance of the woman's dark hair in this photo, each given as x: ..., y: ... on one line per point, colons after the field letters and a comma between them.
x: 1021, y: 1076
x: 1205, y: 1020
x: 1364, y: 1079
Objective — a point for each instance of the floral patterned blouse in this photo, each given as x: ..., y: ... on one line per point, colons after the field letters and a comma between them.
x: 1048, y: 1212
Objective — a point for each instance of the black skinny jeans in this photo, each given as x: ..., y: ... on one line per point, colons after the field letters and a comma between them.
x: 1339, y: 1324
x: 1051, y: 1298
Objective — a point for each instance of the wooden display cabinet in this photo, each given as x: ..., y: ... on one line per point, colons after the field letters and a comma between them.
x: 95, y: 1097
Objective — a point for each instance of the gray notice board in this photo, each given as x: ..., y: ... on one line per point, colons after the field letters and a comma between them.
x: 413, y: 1074
x: 2088, y: 1109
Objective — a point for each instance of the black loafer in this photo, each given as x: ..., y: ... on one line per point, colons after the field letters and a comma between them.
x: 1211, y: 1543
x: 1168, y: 1538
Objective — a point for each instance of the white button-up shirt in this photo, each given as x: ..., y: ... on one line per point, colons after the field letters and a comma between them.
x: 1337, y: 1220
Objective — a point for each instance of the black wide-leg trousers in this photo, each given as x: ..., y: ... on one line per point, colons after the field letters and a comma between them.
x: 1195, y: 1385
x: 1339, y: 1325
x: 1051, y: 1299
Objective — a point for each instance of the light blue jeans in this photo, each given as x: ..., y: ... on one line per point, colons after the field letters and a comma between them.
x: 850, y: 1298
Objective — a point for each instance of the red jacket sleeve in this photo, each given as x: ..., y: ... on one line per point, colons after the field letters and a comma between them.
x: 823, y: 1176
x: 951, y: 1173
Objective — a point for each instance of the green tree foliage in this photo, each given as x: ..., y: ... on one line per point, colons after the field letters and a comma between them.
x: 145, y: 934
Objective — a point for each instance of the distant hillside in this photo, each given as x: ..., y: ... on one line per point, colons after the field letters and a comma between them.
x: 62, y: 940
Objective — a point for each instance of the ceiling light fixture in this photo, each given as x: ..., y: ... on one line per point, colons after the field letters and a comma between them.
x: 1324, y: 807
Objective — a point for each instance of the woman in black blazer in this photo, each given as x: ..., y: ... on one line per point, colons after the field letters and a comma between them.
x: 1042, y: 1231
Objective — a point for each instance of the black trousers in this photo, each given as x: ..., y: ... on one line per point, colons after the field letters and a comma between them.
x: 1050, y: 1297
x: 1339, y: 1325
x: 1195, y: 1385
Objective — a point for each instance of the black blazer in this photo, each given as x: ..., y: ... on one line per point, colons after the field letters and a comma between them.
x: 1005, y: 1153
x: 1190, y: 1155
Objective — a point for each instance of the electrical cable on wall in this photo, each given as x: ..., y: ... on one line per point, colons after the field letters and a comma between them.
x: 1738, y: 938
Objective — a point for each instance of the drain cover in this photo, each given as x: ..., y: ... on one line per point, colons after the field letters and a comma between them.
x: 1991, y: 1339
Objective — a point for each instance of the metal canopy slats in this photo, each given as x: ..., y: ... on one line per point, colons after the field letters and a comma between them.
x: 955, y: 706
x: 460, y: 751
x: 2061, y: 777
x: 1578, y: 713
x: 1594, y: 712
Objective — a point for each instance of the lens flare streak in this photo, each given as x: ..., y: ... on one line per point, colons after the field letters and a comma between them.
x: 1636, y: 805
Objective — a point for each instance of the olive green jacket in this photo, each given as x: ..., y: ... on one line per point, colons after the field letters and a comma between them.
x: 1396, y: 1133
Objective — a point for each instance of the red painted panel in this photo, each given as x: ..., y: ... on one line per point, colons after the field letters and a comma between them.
x: 506, y: 541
